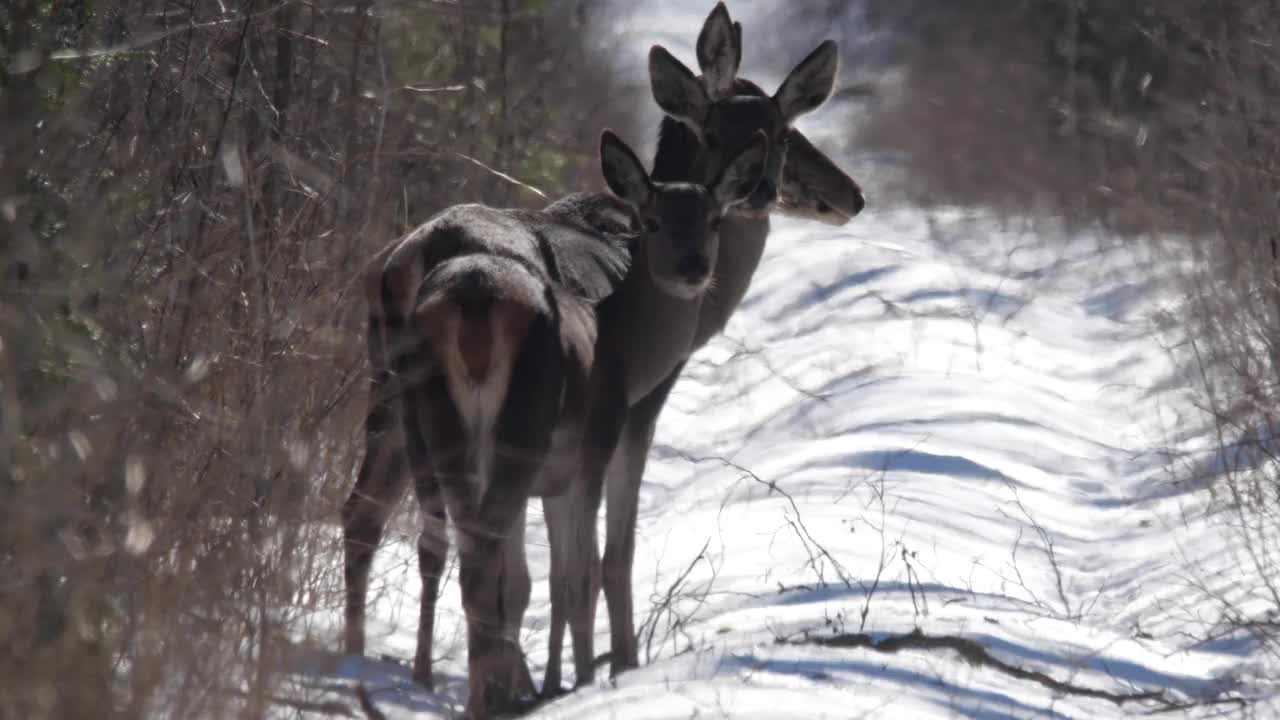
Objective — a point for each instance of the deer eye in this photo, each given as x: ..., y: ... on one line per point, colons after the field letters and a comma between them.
x: 651, y: 225
x: 713, y: 140
x: 715, y: 222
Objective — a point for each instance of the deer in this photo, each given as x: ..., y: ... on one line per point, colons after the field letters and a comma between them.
x: 482, y: 334
x: 648, y: 332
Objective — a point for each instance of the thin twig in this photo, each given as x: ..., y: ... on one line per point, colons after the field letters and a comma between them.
x: 444, y: 88
x: 650, y: 624
x: 151, y: 38
x: 504, y: 176
x: 974, y: 654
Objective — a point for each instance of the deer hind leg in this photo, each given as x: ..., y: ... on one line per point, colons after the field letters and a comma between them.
x: 433, y: 542
x: 494, y: 572
x: 490, y: 579
x: 379, y: 487
x: 516, y: 589
x: 620, y: 540
x: 436, y: 446
x: 493, y: 659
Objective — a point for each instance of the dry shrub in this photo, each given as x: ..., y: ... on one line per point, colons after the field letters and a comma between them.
x: 1153, y: 118
x: 188, y: 192
x: 1087, y: 110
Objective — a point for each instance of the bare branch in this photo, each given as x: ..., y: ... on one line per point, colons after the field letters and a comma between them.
x: 504, y: 176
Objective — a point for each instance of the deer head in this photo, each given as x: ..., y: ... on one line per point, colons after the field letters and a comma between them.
x: 725, y: 123
x: 681, y: 220
x: 724, y: 110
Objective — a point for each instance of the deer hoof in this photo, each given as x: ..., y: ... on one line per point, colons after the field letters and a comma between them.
x: 422, y: 676
x: 551, y: 692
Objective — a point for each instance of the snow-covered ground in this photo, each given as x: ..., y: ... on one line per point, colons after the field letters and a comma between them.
x: 935, y: 421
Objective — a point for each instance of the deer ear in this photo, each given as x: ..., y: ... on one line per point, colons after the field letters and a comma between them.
x: 810, y: 83
x: 737, y: 44
x: 623, y: 172
x: 719, y: 53
x: 741, y: 177
x: 676, y: 90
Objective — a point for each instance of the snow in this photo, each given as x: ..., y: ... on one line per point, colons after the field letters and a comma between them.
x: 939, y: 420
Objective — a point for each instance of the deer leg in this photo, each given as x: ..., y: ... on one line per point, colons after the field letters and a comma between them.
x: 433, y: 541
x: 620, y: 540
x: 379, y: 486
x: 493, y: 572
x: 581, y: 544
x: 498, y: 677
x: 516, y: 589
x: 583, y: 590
x: 556, y: 511
x: 433, y: 548
x: 490, y: 576
x: 571, y: 535
x: 480, y: 579
x: 435, y: 446
x: 522, y: 438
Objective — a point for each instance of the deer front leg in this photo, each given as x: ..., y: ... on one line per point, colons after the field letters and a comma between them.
x: 433, y: 548
x: 580, y: 547
x: 582, y: 582
x: 620, y: 541
x: 557, y: 512
x: 574, y: 580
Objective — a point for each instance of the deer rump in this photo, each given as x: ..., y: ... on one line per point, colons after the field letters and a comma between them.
x: 481, y: 317
x: 502, y: 299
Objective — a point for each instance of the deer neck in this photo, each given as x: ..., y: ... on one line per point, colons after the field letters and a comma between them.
x: 742, y: 243
x: 645, y: 331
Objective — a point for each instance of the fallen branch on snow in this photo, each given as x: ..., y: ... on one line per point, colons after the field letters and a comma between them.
x: 974, y: 654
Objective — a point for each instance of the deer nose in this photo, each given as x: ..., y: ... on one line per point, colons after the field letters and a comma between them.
x: 693, y: 267
x: 859, y: 202
x: 765, y: 193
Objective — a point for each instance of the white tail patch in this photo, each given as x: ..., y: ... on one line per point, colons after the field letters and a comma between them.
x: 478, y: 354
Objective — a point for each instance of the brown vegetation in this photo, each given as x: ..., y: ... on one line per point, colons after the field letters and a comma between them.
x: 1153, y: 118
x: 188, y: 191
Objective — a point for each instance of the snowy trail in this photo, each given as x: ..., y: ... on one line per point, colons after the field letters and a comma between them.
x: 922, y: 404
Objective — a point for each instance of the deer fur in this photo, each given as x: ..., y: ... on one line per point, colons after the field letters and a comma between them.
x: 482, y: 338
x: 647, y: 335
